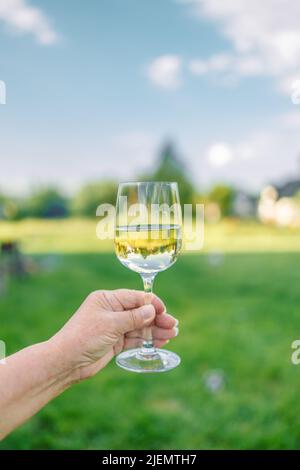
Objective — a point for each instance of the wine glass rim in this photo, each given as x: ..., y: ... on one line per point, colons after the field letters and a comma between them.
x: 147, y: 182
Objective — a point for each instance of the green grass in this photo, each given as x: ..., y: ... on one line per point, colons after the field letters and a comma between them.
x: 78, y: 236
x: 239, y: 315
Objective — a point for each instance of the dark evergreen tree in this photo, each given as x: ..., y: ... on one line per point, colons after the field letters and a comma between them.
x: 170, y: 167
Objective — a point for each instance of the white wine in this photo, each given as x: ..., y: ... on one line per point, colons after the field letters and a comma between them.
x: 148, y: 249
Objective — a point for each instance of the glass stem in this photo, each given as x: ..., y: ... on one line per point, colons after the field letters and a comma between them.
x: 148, y: 347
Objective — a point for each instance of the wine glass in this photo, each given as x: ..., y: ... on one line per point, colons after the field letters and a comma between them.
x: 147, y: 241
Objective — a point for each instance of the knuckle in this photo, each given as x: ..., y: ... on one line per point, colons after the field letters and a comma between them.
x: 134, y: 319
x: 122, y: 291
x: 95, y: 295
x: 112, y: 323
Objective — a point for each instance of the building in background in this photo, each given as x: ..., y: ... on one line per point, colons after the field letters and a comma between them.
x: 280, y: 205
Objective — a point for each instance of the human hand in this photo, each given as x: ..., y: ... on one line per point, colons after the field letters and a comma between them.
x: 108, y: 322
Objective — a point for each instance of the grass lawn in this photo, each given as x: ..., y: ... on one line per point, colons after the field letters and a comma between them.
x: 239, y: 313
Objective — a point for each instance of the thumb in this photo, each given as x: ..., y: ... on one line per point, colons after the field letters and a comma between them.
x: 135, y: 319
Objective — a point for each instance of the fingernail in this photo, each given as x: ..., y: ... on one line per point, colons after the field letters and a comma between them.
x: 173, y: 318
x: 176, y: 330
x: 147, y: 311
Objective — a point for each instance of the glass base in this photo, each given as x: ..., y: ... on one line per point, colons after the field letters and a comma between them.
x: 160, y: 361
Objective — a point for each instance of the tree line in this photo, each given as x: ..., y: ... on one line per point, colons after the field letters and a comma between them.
x: 50, y: 202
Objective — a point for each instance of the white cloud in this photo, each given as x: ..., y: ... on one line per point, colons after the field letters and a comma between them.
x: 216, y: 63
x: 255, y: 146
x: 265, y: 155
x: 264, y: 34
x: 227, y: 66
x: 165, y: 71
x: 20, y: 17
x: 291, y: 120
x: 219, y: 154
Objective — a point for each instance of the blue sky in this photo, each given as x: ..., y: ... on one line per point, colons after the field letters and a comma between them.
x: 94, y: 88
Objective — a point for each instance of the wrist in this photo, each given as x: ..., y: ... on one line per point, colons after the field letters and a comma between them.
x: 65, y: 368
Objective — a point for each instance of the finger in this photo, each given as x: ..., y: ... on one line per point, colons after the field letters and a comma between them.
x: 162, y: 321
x: 163, y: 333
x: 133, y: 319
x: 129, y: 299
x: 119, y: 346
x: 165, y: 320
x: 157, y: 333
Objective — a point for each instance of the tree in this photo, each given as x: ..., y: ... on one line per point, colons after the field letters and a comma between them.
x: 170, y: 168
x: 10, y: 207
x: 223, y: 195
x: 88, y: 198
x: 46, y: 203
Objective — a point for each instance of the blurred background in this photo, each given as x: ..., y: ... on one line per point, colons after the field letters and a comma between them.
x: 196, y: 91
